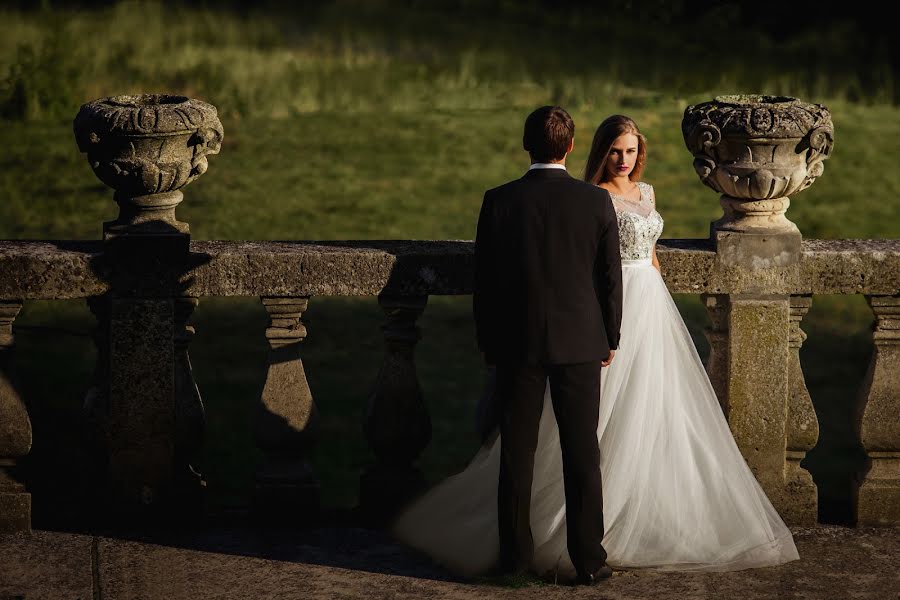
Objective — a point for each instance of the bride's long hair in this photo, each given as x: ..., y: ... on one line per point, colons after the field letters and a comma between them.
x: 607, y: 133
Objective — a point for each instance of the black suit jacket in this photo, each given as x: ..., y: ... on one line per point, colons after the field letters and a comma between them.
x: 548, y: 274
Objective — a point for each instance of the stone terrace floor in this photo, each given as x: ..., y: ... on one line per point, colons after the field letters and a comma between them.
x: 228, y: 561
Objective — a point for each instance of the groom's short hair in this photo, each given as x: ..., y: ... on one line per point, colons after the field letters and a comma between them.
x: 548, y: 132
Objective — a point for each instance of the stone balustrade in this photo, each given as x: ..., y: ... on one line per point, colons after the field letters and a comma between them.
x: 755, y: 336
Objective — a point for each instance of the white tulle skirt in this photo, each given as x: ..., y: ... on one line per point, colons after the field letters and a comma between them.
x: 677, y: 493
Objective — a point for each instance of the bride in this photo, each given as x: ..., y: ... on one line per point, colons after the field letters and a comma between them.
x: 677, y: 494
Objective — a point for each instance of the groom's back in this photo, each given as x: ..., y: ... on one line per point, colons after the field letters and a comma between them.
x: 548, y: 231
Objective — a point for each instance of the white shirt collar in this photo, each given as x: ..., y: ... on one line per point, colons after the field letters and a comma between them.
x: 547, y: 166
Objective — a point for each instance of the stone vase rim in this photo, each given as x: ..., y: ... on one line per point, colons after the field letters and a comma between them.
x: 143, y: 100
x: 749, y: 100
x: 142, y: 115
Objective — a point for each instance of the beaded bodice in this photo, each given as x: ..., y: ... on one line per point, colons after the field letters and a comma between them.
x: 639, y: 223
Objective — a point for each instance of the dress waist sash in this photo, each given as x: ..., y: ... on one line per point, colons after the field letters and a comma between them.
x: 637, y: 262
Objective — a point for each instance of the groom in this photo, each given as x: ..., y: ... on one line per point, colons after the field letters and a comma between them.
x: 548, y: 305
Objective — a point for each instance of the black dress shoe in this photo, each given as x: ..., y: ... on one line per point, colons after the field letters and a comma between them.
x: 603, y: 572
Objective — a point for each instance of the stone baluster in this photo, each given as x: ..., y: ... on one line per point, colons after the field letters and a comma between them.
x: 190, y: 419
x: 15, y: 433
x: 717, y: 335
x: 286, y: 486
x: 879, y: 495
x: 802, y: 427
x: 397, y: 424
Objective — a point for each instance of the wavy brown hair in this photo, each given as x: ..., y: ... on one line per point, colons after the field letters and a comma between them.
x: 607, y: 133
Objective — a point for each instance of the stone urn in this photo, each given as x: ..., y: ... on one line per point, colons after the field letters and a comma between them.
x: 757, y: 151
x: 147, y: 148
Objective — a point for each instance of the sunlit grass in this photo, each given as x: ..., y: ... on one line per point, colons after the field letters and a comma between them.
x: 352, y: 56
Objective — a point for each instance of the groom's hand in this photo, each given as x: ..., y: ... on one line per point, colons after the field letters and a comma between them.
x: 605, y: 362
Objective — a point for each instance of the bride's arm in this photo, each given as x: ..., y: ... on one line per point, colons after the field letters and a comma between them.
x: 654, y: 260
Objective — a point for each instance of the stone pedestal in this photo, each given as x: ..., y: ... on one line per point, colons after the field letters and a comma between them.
x: 287, y: 490
x: 397, y: 425
x: 15, y: 434
x: 879, y: 495
x: 754, y: 368
x: 757, y: 249
x: 143, y: 409
x: 757, y: 385
x: 141, y: 429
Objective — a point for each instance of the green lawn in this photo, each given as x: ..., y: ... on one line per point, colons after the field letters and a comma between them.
x: 342, y: 129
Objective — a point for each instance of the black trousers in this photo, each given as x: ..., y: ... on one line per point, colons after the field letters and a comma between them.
x: 575, y: 390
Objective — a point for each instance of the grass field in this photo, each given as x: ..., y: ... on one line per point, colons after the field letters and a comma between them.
x: 345, y: 129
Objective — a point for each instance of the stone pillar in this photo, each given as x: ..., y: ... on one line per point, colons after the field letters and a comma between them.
x: 190, y: 418
x: 757, y: 386
x: 287, y: 489
x: 754, y: 366
x: 397, y: 425
x: 15, y: 433
x: 141, y: 430
x: 879, y: 495
x: 717, y: 335
x: 802, y: 427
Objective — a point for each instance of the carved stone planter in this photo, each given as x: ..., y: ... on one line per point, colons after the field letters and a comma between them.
x: 147, y: 148
x: 757, y: 151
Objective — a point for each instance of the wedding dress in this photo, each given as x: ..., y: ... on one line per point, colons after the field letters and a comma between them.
x: 677, y: 494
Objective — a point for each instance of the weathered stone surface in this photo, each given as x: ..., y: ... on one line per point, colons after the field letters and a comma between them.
x: 717, y: 335
x: 46, y: 565
x: 754, y: 368
x: 147, y: 147
x: 757, y: 385
x: 63, y: 269
x: 287, y: 489
x: 756, y: 151
x: 397, y: 424
x: 141, y: 434
x: 328, y: 562
x: 15, y: 506
x: 190, y: 415
x: 879, y: 495
x: 15, y: 433
x: 802, y: 427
